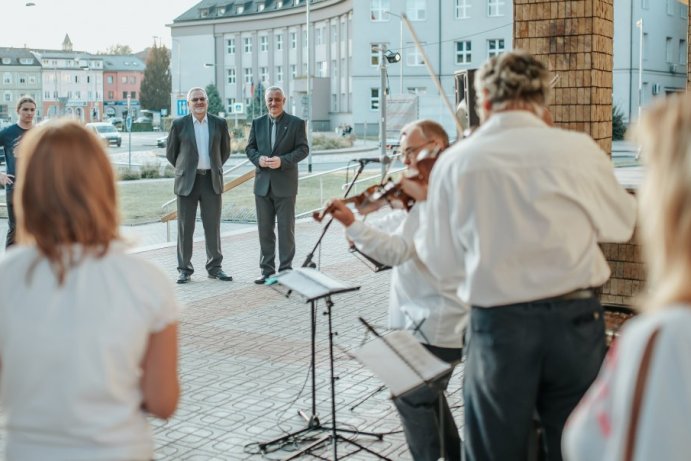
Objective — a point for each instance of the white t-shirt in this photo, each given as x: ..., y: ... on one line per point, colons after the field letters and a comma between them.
x: 599, y: 426
x: 70, y: 355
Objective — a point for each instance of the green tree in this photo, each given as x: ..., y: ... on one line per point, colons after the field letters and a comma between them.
x: 618, y: 125
x: 215, y: 104
x: 118, y: 49
x: 156, y: 85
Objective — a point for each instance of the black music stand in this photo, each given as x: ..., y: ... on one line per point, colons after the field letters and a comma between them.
x: 312, y: 285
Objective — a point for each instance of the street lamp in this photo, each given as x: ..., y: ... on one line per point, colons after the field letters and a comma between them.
x: 384, y: 57
x: 400, y: 47
x: 639, y: 24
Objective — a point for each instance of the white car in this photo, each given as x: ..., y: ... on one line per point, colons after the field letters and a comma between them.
x: 106, y: 131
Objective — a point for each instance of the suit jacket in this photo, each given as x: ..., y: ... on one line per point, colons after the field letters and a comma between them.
x: 291, y: 145
x: 182, y: 152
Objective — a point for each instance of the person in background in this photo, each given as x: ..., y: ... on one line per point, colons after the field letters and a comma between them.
x: 276, y: 144
x: 9, y: 139
x: 639, y: 408
x: 520, y: 206
x: 88, y: 332
x: 419, y: 302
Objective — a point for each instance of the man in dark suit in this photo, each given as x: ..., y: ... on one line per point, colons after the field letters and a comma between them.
x: 198, y: 146
x: 277, y: 142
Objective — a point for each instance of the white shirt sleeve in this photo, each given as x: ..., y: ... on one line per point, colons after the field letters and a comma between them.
x: 390, y: 248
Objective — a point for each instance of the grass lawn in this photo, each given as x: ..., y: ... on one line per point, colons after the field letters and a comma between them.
x: 140, y: 201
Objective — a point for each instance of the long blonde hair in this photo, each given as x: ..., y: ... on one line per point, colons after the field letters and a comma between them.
x: 664, y: 134
x: 66, y: 194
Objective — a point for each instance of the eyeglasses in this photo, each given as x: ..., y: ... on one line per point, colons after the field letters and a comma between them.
x: 414, y: 150
x: 198, y: 99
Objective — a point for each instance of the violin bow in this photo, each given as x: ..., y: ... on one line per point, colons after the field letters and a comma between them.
x: 430, y: 70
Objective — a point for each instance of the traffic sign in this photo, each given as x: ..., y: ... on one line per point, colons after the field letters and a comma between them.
x: 238, y: 108
x: 182, y: 108
x: 128, y: 123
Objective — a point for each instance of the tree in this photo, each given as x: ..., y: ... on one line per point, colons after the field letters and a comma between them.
x: 215, y: 104
x: 257, y: 106
x: 117, y: 49
x: 618, y: 125
x: 156, y: 85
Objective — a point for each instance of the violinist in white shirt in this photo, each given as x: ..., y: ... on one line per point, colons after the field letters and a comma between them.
x: 520, y: 207
x: 419, y: 301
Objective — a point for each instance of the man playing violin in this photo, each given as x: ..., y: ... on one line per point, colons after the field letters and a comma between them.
x: 520, y: 206
x: 420, y: 302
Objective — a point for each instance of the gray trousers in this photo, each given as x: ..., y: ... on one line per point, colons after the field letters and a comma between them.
x: 537, y: 356
x: 420, y: 410
x: 210, y: 206
x: 272, y: 209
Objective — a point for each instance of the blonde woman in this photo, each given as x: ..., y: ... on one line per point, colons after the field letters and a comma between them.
x: 88, y: 333
x: 639, y: 408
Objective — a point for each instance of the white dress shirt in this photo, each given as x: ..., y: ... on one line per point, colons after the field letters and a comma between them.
x: 201, y: 136
x: 520, y: 207
x: 597, y: 429
x: 416, y: 297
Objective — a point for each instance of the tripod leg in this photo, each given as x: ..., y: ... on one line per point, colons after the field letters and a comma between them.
x: 367, y: 397
x: 361, y: 447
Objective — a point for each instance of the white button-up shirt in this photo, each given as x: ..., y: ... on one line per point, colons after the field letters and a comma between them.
x: 520, y: 208
x: 418, y: 300
x: 201, y: 136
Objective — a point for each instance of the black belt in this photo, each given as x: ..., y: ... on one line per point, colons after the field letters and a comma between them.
x: 581, y: 293
x: 203, y: 171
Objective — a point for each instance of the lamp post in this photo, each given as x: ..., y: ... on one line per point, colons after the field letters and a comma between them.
x: 639, y: 24
x: 309, y: 88
x: 400, y: 48
x: 384, y: 57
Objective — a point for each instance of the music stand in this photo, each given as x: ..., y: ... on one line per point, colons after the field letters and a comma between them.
x: 312, y: 285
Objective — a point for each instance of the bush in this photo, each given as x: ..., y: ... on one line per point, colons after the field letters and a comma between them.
x: 326, y: 142
x: 129, y: 174
x: 169, y: 171
x: 150, y: 171
x: 142, y: 126
x: 618, y: 125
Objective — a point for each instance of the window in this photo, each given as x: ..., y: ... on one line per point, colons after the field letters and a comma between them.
x: 109, y: 79
x: 7, y: 78
x: 123, y: 79
x: 204, y: 12
x: 416, y: 10
x: 133, y: 80
x: 240, y: 9
x: 248, y: 44
x: 260, y: 7
x: 279, y: 73
x: 55, y: 95
x: 304, y: 39
x: 231, y: 76
x: 111, y: 95
x: 374, y: 98
x: 417, y: 90
x: 221, y: 11
x: 279, y: 42
x: 334, y: 69
x: 645, y: 4
x: 293, y: 71
x: 6, y: 61
x: 671, y: 7
x: 322, y: 69
x: 682, y: 51
x: 379, y: 9
x: 293, y: 40
x: 32, y: 79
x: 230, y: 46
x: 414, y: 57
x: 248, y: 75
x: 319, y: 36
x: 495, y: 46
x: 46, y: 94
x: 462, y: 7
x: 133, y: 94
x: 668, y: 49
x: 334, y: 33
x: 230, y: 104
x: 463, y: 52
x: 374, y: 54
x: 263, y: 43
x: 264, y: 74
x: 494, y: 7
x: 8, y: 96
x: 124, y: 95
x: 27, y: 61
x: 645, y: 46
x: 22, y: 80
x: 78, y: 95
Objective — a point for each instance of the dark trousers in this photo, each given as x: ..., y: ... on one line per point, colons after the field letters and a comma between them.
x: 11, y: 225
x: 272, y: 209
x: 210, y: 207
x: 523, y: 358
x: 420, y: 410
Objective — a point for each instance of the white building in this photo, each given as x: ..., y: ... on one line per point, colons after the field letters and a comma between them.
x: 20, y: 75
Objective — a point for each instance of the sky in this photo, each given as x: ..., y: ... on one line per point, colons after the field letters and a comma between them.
x: 93, y: 25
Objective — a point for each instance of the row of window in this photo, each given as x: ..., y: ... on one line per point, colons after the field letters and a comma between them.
x: 78, y: 95
x: 322, y: 70
x: 72, y: 63
x: 416, y: 10
x: 8, y: 78
x: 7, y: 96
x: 278, y: 41
x: 674, y: 7
x: 23, y: 61
x: 76, y: 78
x: 463, y: 52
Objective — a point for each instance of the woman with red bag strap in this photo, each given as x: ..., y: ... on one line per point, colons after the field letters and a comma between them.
x: 639, y: 408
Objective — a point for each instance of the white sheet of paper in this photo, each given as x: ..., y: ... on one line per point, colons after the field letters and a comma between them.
x: 385, y: 361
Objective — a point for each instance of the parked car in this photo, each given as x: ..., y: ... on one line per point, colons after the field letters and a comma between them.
x: 162, y: 141
x: 117, y: 122
x: 106, y: 131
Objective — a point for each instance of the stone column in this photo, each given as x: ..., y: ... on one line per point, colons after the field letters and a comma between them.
x: 574, y: 38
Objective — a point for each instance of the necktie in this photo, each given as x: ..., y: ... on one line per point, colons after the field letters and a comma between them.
x: 273, y: 134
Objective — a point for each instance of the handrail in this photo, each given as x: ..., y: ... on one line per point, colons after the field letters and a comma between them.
x: 323, y: 173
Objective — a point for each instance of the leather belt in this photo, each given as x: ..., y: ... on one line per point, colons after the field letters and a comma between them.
x: 203, y: 171
x: 581, y: 293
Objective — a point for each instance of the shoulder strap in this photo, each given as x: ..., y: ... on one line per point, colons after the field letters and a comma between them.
x: 641, y: 382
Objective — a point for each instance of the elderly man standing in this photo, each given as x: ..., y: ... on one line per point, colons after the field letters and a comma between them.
x: 198, y: 146
x: 277, y: 142
x: 521, y: 206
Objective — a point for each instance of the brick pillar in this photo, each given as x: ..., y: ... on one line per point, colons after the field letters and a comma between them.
x: 574, y: 38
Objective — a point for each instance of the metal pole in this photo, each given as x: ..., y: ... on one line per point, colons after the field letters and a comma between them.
x: 640, y: 67
x: 382, y: 109
x: 400, y: 50
x: 129, y: 140
x: 309, y: 90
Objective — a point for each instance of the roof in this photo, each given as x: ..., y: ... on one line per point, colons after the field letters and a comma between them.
x: 122, y: 62
x: 214, y: 9
x: 15, y: 54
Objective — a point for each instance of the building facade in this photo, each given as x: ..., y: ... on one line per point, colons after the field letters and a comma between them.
x: 664, y: 26
x: 122, y: 80
x: 20, y: 74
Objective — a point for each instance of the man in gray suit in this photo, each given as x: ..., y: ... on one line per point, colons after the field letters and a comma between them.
x: 277, y: 142
x: 198, y: 146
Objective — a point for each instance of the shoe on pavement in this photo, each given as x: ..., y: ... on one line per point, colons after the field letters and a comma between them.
x: 184, y: 277
x: 261, y: 280
x: 220, y: 275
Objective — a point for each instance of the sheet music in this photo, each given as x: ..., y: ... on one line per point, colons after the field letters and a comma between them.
x: 383, y: 356
x: 311, y: 283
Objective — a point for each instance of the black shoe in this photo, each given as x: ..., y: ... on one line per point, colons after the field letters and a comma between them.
x: 184, y: 277
x: 220, y: 275
x: 262, y: 279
